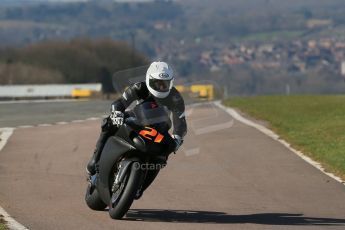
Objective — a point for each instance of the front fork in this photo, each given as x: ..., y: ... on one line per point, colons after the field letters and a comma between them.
x: 122, y: 170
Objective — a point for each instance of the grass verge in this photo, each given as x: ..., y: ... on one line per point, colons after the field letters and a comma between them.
x: 3, y: 227
x: 270, y: 36
x: 313, y: 124
x: 2, y: 224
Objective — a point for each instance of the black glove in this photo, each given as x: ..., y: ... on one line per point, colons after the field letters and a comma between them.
x: 178, y: 141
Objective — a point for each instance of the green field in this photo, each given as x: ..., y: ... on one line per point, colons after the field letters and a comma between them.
x: 270, y: 36
x: 2, y: 225
x: 313, y: 124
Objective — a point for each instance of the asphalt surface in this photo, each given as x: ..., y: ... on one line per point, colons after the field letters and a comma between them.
x: 227, y: 176
x: 47, y: 112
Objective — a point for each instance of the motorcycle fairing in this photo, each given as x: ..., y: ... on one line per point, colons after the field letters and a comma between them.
x: 114, y: 148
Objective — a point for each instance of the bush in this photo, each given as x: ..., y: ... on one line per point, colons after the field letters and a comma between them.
x: 75, y: 61
x: 19, y: 73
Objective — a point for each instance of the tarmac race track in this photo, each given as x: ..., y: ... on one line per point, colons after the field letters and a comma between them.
x: 227, y: 176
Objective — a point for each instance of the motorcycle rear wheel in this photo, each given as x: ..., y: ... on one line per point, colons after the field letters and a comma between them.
x: 93, y: 200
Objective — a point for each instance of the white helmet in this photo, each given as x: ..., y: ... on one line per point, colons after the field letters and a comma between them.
x: 159, y: 79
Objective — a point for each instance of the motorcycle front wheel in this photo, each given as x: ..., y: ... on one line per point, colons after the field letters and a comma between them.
x: 123, y: 197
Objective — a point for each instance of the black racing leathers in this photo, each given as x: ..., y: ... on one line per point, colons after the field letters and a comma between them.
x: 174, y: 103
x: 139, y: 92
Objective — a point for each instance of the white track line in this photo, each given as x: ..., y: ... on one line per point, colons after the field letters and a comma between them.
x: 93, y: 118
x: 25, y: 126
x: 275, y: 137
x: 61, y: 123
x: 213, y: 128
x: 12, y: 224
x: 77, y: 121
x: 44, y: 125
x: 5, y: 134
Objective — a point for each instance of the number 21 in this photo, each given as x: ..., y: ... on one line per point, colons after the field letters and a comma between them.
x: 150, y: 133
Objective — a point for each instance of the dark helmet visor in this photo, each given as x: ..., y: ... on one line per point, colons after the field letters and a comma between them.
x: 160, y: 85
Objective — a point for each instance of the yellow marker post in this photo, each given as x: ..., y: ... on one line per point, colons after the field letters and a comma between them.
x: 77, y: 93
x: 203, y: 91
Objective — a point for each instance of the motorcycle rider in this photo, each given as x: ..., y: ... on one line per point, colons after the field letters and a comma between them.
x: 158, y: 87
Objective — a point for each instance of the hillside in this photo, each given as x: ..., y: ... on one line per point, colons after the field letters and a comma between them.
x: 155, y: 23
x: 199, y: 37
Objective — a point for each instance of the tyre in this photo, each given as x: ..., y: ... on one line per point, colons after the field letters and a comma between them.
x: 127, y: 193
x: 93, y: 199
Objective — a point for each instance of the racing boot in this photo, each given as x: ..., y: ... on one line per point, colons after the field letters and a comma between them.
x: 91, y: 166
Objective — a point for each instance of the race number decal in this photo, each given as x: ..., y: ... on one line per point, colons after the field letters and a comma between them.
x: 151, y: 134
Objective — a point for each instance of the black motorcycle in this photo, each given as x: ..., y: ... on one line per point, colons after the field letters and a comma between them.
x: 131, y: 159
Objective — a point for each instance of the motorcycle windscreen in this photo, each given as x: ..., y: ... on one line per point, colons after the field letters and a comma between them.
x: 147, y: 114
